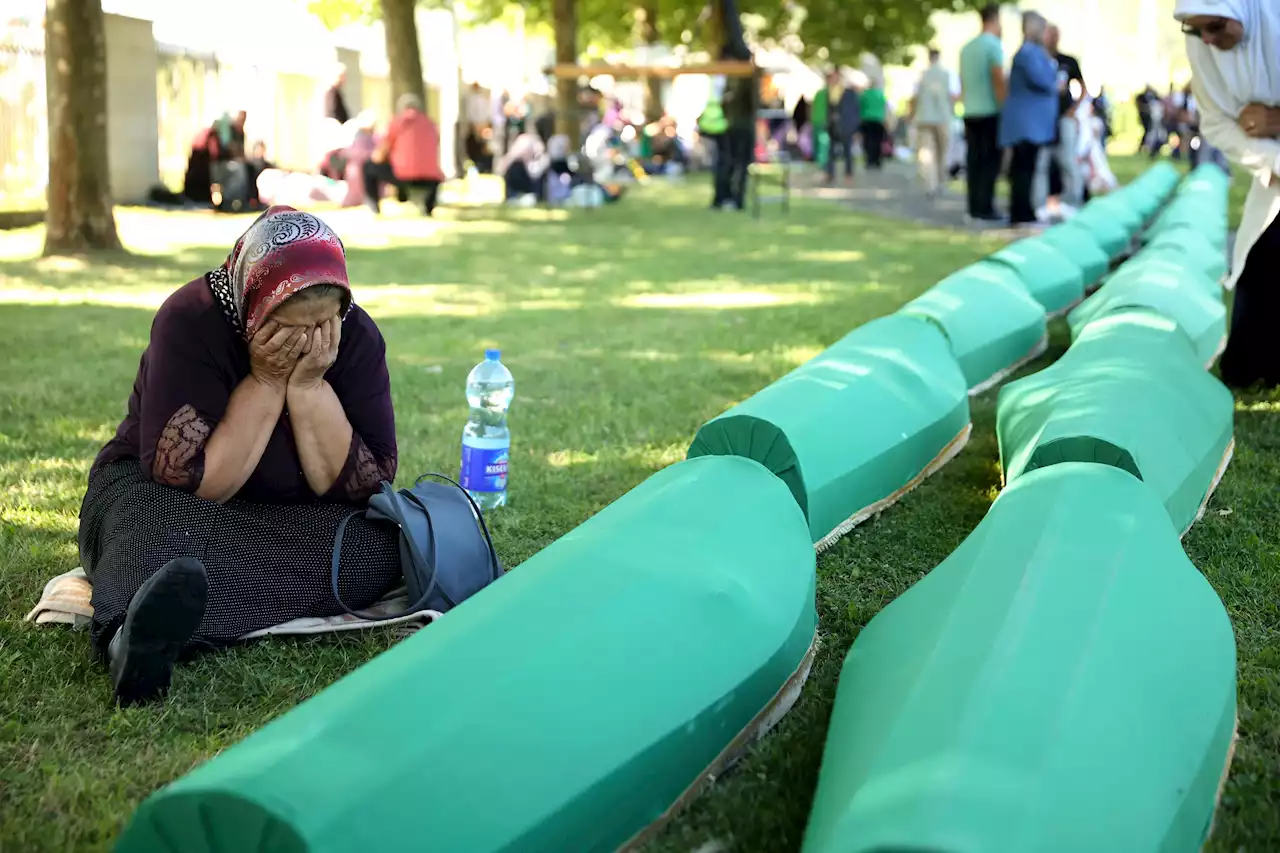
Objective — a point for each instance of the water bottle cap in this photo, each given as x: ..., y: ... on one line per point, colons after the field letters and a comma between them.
x: 493, y: 355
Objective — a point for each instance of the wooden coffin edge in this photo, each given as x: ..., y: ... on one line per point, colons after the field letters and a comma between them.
x: 948, y: 452
x: 1213, y: 486
x: 1001, y: 375
x: 770, y: 715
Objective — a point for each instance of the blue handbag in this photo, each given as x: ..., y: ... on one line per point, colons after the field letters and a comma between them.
x: 446, y: 553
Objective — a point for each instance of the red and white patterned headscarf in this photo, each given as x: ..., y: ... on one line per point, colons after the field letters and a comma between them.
x: 284, y: 251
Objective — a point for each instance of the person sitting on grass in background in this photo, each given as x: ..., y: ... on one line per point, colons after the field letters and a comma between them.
x: 408, y: 157
x: 260, y: 417
x: 523, y: 168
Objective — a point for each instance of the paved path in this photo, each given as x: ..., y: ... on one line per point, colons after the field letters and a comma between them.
x: 895, y: 191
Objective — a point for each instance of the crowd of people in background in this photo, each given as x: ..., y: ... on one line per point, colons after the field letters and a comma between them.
x: 1040, y: 115
x: 1032, y: 120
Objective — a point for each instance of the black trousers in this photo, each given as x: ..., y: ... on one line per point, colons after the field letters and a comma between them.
x: 842, y: 143
x: 873, y: 133
x: 982, y: 164
x: 1022, y: 175
x: 733, y: 159
x: 377, y: 174
x: 1253, y: 354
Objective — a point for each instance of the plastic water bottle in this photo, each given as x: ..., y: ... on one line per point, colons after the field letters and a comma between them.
x: 486, y: 441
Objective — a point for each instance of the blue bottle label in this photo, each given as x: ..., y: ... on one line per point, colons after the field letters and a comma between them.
x: 484, y: 469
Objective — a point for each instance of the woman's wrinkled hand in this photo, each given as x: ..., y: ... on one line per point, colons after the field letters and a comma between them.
x: 274, y: 352
x: 1260, y: 121
x: 321, y: 352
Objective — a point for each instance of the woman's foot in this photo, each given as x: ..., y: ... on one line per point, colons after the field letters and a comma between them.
x: 160, y: 621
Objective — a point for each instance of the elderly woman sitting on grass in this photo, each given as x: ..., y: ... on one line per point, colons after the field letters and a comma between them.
x: 260, y: 414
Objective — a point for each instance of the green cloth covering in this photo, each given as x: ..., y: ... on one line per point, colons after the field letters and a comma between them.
x: 993, y: 324
x: 1146, y: 193
x: 1208, y: 220
x: 1193, y: 247
x: 1183, y: 298
x: 1130, y: 392
x: 565, y: 707
x: 1101, y: 220
x: 1064, y: 682
x: 1082, y: 247
x: 1187, y: 248
x: 1169, y: 266
x: 853, y: 426
x: 1052, y: 279
x: 872, y: 105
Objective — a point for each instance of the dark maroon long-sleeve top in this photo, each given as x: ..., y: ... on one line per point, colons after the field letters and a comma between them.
x: 196, y: 359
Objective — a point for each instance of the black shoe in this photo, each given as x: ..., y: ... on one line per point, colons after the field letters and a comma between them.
x: 160, y: 621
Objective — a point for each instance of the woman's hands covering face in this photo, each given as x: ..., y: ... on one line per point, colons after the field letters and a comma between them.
x: 320, y: 351
x: 274, y: 352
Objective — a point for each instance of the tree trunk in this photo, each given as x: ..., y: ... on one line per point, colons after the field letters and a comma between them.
x: 403, y: 56
x: 647, y: 31
x: 79, y: 215
x: 565, y: 22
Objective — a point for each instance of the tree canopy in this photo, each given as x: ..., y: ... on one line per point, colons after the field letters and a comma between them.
x: 835, y: 31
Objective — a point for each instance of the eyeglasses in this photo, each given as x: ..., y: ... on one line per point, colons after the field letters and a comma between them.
x: 1213, y: 30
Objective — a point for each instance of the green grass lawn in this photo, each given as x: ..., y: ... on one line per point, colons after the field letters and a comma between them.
x: 626, y: 328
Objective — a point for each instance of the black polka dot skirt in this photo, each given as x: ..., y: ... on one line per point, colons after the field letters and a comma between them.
x: 266, y: 563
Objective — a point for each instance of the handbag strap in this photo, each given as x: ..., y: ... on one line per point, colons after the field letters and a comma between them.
x: 495, y: 564
x: 336, y: 564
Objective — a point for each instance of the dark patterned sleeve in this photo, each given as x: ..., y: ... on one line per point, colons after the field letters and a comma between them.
x: 360, y: 379
x: 184, y: 391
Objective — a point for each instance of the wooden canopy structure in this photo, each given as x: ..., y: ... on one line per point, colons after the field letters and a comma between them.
x: 724, y: 67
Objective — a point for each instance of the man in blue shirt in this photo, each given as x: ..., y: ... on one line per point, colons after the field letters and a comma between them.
x: 982, y: 87
x: 1029, y: 122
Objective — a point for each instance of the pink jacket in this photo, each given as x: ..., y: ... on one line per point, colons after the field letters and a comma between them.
x: 413, y: 146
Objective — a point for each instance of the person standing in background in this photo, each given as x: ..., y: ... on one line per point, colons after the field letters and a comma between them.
x: 335, y: 105
x: 1066, y: 182
x: 1143, y: 103
x: 1102, y: 109
x: 843, y: 119
x: 1234, y: 49
x: 932, y: 109
x: 712, y: 126
x: 1028, y: 123
x: 983, y: 89
x: 873, y: 108
x: 739, y: 141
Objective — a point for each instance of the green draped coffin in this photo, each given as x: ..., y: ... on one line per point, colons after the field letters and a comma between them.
x: 993, y: 324
x: 1182, y: 298
x: 1081, y: 248
x: 1064, y: 682
x: 566, y: 707
x: 1130, y: 392
x: 1109, y: 227
x: 1052, y: 279
x: 854, y: 428
x: 1189, y: 245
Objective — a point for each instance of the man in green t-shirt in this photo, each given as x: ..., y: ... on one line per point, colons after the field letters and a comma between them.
x: 982, y: 86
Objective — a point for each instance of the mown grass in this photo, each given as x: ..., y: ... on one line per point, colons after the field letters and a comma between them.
x: 626, y: 328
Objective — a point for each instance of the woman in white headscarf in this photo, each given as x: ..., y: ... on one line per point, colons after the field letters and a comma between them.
x: 1234, y: 48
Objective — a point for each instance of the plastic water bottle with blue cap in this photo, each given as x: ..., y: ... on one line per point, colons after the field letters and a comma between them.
x: 486, y: 441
